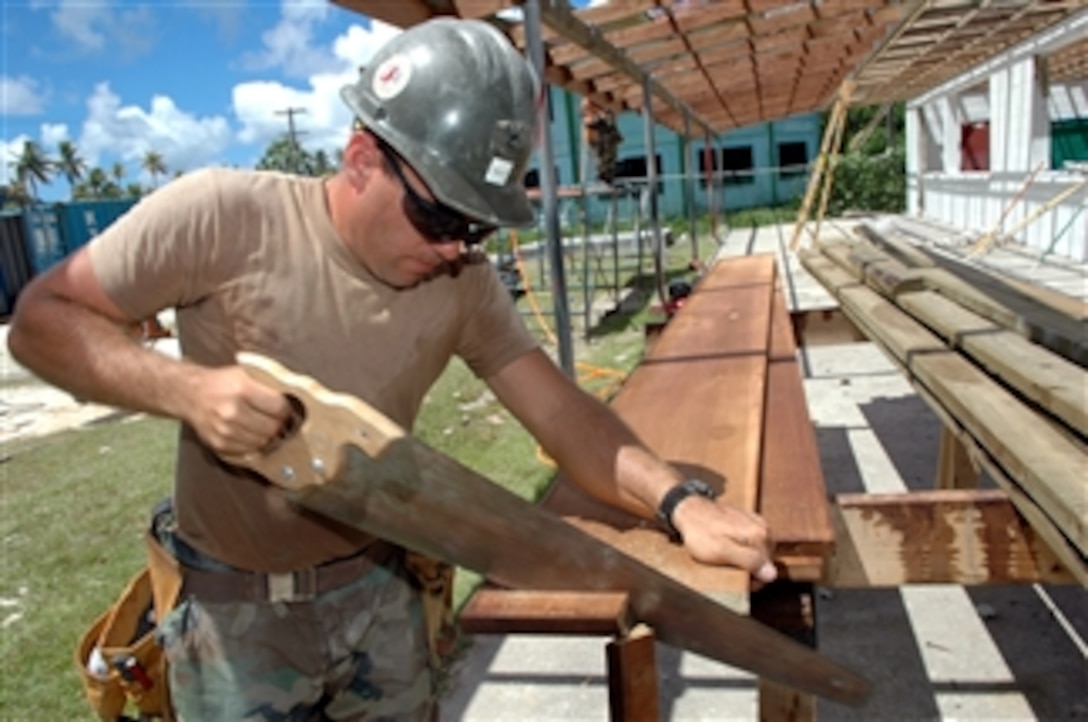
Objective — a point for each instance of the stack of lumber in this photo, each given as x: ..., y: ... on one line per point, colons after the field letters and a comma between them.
x: 1007, y: 379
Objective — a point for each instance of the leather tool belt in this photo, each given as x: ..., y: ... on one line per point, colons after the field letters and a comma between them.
x: 231, y: 585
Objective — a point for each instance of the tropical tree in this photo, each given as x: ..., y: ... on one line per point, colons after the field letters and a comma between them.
x: 117, y: 170
x: 98, y: 184
x: 287, y: 156
x: 33, y: 167
x: 69, y: 163
x: 154, y: 165
x: 322, y: 166
x: 134, y: 190
x: 15, y: 194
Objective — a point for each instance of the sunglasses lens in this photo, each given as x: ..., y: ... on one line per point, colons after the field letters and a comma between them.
x: 434, y: 221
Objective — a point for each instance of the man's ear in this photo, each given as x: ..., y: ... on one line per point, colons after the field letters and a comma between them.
x: 361, y: 158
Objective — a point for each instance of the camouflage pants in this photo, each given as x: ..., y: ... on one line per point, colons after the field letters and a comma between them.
x: 356, y: 653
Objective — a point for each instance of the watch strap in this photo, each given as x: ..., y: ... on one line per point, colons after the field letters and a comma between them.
x: 673, y: 497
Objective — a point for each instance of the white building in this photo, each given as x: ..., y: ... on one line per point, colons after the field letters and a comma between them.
x: 1005, y: 145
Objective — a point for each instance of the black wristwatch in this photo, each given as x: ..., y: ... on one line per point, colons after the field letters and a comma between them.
x: 677, y: 494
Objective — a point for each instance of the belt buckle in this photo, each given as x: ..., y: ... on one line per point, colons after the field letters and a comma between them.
x: 298, y: 586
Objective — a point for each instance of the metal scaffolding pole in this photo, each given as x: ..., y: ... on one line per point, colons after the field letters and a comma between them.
x: 651, y: 189
x: 534, y: 44
x: 693, y: 183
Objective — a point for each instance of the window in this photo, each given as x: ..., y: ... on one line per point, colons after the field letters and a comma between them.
x: 792, y: 160
x: 532, y: 178
x: 975, y: 146
x: 737, y: 165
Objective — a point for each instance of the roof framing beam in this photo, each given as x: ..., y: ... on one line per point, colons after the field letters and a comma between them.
x: 558, y: 16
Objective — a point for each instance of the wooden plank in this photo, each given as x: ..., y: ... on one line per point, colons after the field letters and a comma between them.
x: 1075, y: 563
x: 954, y: 467
x: 697, y: 400
x: 793, y: 495
x: 402, y: 14
x: 954, y: 536
x: 632, y: 677
x: 999, y: 302
x: 513, y: 611
x: 1057, y: 385
x: 891, y: 242
x: 1046, y: 463
x: 896, y: 330
x: 833, y: 276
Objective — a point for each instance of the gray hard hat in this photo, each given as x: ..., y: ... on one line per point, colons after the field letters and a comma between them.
x: 458, y: 102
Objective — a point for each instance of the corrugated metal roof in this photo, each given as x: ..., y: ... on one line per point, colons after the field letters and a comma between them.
x: 731, y: 63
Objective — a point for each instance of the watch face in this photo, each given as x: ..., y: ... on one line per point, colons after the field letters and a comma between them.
x: 700, y: 487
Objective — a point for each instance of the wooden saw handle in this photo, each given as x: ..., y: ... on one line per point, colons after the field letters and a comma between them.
x: 311, y: 451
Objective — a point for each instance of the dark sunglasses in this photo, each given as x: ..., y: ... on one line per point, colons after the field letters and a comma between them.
x: 434, y: 221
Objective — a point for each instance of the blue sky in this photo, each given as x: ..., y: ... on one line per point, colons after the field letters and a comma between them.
x: 202, y: 82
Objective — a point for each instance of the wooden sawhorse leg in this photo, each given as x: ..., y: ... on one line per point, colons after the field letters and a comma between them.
x: 788, y: 607
x: 632, y: 677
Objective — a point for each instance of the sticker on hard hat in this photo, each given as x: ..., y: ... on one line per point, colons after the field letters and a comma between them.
x: 392, y: 76
x: 498, y: 171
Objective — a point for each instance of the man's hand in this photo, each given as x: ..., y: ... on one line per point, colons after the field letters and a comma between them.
x: 235, y: 414
x: 714, y: 533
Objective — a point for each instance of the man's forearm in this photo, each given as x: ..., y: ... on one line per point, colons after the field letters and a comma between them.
x: 610, y: 461
x: 95, y: 358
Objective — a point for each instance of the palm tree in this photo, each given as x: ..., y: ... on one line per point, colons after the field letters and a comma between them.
x: 33, y: 167
x: 15, y: 194
x: 117, y: 170
x: 154, y: 165
x: 96, y: 185
x: 70, y: 165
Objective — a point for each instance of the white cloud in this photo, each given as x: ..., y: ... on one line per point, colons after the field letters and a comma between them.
x: 358, y: 45
x: 259, y: 105
x: 52, y: 134
x: 128, y: 132
x: 20, y: 96
x: 287, y: 46
x: 95, y: 26
x: 10, y: 150
x: 82, y: 22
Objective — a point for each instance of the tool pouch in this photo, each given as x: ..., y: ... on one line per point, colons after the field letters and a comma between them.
x: 435, y: 578
x: 119, y: 659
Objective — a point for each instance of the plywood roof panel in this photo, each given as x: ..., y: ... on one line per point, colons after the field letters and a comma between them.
x: 733, y: 62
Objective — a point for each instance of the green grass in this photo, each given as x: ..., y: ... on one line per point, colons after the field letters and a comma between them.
x: 73, y: 505
x: 72, y: 510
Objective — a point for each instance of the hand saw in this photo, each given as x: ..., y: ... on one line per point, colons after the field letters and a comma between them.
x: 347, y: 461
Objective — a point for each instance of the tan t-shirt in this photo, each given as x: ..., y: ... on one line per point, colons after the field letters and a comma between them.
x: 251, y: 262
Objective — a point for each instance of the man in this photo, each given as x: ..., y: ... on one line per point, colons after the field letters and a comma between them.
x: 362, y: 281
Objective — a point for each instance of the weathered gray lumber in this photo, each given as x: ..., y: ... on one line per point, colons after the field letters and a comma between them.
x: 1041, y: 315
x: 1047, y: 379
x: 1047, y: 464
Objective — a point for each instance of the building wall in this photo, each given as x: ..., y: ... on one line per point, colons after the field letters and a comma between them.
x: 792, y: 141
x: 1026, y: 129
